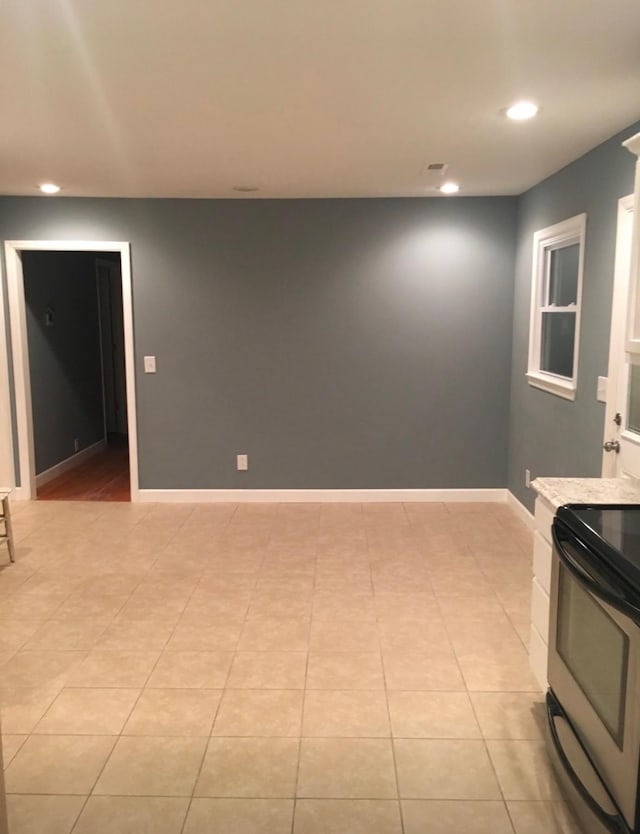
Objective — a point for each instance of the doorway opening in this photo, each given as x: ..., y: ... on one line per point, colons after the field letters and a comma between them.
x: 72, y: 343
x: 75, y: 335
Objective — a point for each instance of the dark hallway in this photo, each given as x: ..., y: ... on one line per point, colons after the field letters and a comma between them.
x: 104, y: 477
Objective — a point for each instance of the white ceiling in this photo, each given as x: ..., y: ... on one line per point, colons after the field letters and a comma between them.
x: 307, y: 98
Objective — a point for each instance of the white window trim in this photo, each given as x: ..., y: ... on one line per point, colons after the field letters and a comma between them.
x: 561, y: 234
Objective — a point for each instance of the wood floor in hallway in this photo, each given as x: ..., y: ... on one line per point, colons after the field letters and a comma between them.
x: 104, y: 477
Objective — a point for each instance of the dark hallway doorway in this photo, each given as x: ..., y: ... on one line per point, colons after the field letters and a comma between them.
x: 75, y: 333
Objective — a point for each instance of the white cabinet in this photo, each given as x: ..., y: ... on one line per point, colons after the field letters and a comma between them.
x: 539, y: 637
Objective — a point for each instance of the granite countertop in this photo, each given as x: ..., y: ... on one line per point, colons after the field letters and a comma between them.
x: 559, y: 491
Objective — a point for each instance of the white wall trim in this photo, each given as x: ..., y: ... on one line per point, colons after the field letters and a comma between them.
x: 633, y: 301
x: 521, y: 511
x: 545, y: 382
x: 7, y: 463
x: 17, y: 319
x: 237, y: 496
x: 566, y: 233
x: 70, y: 463
x: 616, y: 371
x: 21, y: 374
x: 19, y: 494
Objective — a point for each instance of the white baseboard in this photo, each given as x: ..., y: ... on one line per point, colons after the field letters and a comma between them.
x: 18, y: 494
x: 520, y: 510
x: 70, y: 463
x: 237, y: 496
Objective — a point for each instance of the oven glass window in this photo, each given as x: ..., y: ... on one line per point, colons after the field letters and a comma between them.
x: 595, y: 650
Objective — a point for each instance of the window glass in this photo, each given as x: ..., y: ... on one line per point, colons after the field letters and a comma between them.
x: 556, y: 348
x: 563, y: 275
x: 633, y: 412
x: 599, y: 666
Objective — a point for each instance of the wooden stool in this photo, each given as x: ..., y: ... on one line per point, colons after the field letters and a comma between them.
x: 5, y: 515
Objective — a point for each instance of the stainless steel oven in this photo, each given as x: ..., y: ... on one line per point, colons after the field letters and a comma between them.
x: 593, y: 703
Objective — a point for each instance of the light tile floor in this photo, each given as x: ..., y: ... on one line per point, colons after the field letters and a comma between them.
x: 281, y: 669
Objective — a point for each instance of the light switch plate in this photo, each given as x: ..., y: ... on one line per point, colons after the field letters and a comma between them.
x: 601, y: 394
x: 149, y: 364
x: 242, y: 463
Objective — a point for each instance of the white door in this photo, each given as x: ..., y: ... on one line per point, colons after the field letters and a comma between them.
x: 622, y: 415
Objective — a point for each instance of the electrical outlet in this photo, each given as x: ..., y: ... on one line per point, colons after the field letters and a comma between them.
x: 76, y: 444
x: 527, y: 478
x: 242, y: 463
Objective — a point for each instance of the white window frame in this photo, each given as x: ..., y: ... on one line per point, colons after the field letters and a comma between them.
x: 566, y: 233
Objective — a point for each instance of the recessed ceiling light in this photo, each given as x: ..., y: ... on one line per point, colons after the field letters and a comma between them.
x: 450, y: 188
x: 49, y: 188
x: 522, y: 110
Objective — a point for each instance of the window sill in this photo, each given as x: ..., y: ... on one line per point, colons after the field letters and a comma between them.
x: 553, y: 385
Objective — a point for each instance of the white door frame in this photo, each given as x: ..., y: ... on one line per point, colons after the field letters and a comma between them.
x: 7, y: 465
x: 617, y: 341
x: 19, y: 346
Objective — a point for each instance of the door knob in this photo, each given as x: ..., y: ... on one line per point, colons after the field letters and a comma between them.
x: 611, y: 446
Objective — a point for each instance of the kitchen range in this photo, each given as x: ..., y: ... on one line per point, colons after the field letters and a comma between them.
x: 593, y: 701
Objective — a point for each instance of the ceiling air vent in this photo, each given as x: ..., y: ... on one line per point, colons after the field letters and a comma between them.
x: 435, y: 170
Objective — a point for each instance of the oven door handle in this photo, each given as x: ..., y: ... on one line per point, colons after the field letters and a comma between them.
x: 612, y: 821
x: 600, y: 586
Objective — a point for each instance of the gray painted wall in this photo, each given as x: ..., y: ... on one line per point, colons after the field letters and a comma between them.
x: 549, y: 435
x: 64, y: 359
x: 339, y: 343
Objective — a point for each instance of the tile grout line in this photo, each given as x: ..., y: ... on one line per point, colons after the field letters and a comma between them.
x: 202, y: 761
x: 219, y: 706
x: 304, y: 700
x: 386, y: 696
x: 31, y: 734
x: 120, y: 735
x: 484, y: 743
x: 117, y: 740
